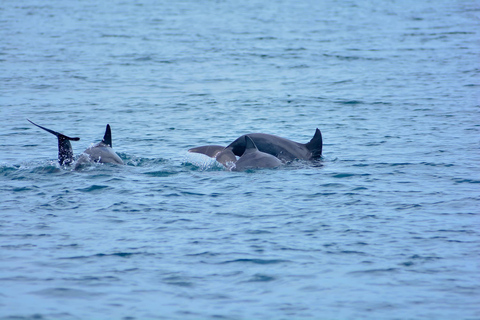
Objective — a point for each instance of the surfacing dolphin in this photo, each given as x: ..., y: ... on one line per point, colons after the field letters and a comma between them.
x: 284, y: 149
x: 101, y: 152
x: 252, y: 158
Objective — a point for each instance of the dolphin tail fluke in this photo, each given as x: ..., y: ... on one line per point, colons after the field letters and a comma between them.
x: 107, y: 138
x: 315, y: 145
x: 211, y: 151
x: 65, y: 150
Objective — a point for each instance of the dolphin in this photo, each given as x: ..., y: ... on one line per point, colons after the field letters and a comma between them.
x: 101, y: 152
x: 252, y: 158
x: 284, y: 149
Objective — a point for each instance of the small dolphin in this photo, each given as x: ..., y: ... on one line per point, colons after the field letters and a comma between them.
x: 101, y: 152
x: 284, y: 149
x: 252, y: 158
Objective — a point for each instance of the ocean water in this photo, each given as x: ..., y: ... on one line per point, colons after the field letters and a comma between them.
x: 386, y: 226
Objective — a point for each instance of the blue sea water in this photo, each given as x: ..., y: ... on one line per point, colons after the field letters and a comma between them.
x: 385, y: 227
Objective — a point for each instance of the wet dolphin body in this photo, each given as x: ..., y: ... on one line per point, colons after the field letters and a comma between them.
x: 101, y: 152
x: 252, y: 158
x: 284, y: 149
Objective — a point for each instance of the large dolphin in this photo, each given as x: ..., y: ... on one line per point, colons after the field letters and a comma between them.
x: 284, y: 149
x: 252, y: 158
x: 101, y: 152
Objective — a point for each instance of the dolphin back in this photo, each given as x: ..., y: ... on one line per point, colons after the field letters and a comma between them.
x: 65, y: 150
x: 102, y: 152
x: 252, y: 158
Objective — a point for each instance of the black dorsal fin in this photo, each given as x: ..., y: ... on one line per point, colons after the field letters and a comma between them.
x: 107, y: 138
x: 315, y: 145
x: 249, y: 144
x: 65, y: 150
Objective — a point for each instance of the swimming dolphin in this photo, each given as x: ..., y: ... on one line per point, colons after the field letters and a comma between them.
x: 284, y: 149
x: 252, y: 158
x: 101, y: 152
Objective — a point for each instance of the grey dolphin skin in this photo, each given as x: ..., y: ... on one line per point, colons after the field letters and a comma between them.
x: 284, y: 149
x: 101, y: 152
x: 252, y: 158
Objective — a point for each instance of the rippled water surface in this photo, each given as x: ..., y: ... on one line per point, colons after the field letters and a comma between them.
x: 386, y: 226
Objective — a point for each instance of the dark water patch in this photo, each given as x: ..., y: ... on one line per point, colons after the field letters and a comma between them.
x: 179, y: 281
x: 107, y: 255
x: 6, y: 170
x: 68, y: 293
x: 257, y: 261
x: 465, y: 180
x: 46, y: 169
x: 20, y: 279
x: 92, y: 280
x: 359, y: 188
x: 261, y: 278
x: 27, y: 235
x: 22, y: 189
x: 350, y: 102
x: 161, y: 173
x: 433, y: 164
x: 39, y: 316
x: 379, y: 271
x: 203, y: 254
x: 116, y: 36
x: 349, y: 175
x: 93, y: 188
x: 351, y: 58
x: 258, y: 231
x: 349, y: 252
x: 176, y: 221
x: 419, y: 260
x: 100, y: 175
x: 408, y: 206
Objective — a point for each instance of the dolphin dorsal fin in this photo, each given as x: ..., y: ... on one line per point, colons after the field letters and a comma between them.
x: 249, y: 144
x: 65, y: 150
x: 315, y: 145
x: 107, y: 138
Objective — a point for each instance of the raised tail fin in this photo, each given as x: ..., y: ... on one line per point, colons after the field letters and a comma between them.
x: 315, y: 145
x: 65, y: 150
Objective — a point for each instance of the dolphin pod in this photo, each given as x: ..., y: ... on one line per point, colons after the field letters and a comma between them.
x: 254, y: 150
x: 281, y: 149
x: 101, y: 152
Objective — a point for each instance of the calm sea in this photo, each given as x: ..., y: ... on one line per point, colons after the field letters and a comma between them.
x: 387, y: 226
